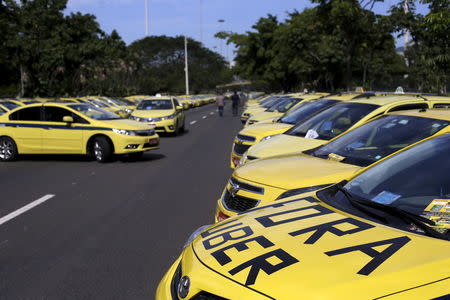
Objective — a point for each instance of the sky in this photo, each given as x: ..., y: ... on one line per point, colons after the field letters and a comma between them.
x: 182, y: 17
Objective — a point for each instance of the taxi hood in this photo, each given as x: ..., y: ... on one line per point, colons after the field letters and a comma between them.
x: 126, y: 124
x: 265, y: 129
x: 266, y: 115
x: 303, y: 249
x: 156, y: 113
x: 294, y: 171
x: 283, y: 144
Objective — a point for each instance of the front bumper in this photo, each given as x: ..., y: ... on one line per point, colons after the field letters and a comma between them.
x: 164, y: 126
x: 238, y: 150
x: 244, y: 199
x: 131, y: 144
x: 203, y: 280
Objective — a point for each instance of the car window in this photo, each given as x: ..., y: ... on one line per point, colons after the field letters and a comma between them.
x: 94, y: 112
x: 9, y: 105
x: 332, y: 121
x: 176, y: 102
x: 306, y: 110
x: 379, y: 138
x: 2, y: 111
x: 56, y: 114
x: 155, y: 105
x: 441, y: 105
x: 409, y: 106
x: 27, y: 114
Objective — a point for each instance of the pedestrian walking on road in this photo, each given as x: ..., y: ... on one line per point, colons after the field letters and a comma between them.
x: 235, y: 100
x: 220, y: 101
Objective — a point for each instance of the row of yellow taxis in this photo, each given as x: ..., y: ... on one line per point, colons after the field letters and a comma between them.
x: 343, y: 196
x: 96, y: 126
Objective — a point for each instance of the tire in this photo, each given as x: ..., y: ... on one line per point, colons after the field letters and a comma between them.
x: 183, y: 128
x: 8, y: 149
x: 177, y: 130
x: 101, y: 149
x: 136, y: 155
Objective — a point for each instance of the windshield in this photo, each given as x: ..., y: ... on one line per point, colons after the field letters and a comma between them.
x: 273, y: 101
x: 284, y: 105
x: 98, y: 103
x: 332, y: 121
x: 271, y: 98
x: 372, y: 141
x: 2, y: 111
x: 155, y: 104
x: 306, y: 110
x: 93, y: 112
x: 416, y: 181
x: 118, y: 102
x: 9, y: 105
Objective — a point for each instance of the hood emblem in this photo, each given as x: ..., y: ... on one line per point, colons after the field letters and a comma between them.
x: 234, y: 188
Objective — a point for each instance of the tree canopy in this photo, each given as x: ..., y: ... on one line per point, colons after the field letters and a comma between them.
x: 339, y: 44
x: 46, y: 53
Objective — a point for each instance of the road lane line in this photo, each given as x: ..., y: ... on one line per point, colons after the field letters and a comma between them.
x: 24, y: 209
x: 193, y: 122
x: 204, y: 117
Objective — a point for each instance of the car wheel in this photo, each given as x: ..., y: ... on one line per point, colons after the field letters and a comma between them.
x: 183, y: 128
x: 8, y: 149
x: 177, y: 130
x: 101, y: 149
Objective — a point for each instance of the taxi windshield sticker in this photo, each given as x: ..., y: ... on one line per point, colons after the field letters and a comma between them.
x: 311, y: 134
x: 335, y: 157
x: 385, y: 197
x: 438, y: 211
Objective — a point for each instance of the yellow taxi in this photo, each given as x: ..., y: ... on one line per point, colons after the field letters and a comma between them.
x: 124, y: 104
x: 281, y: 108
x: 74, y: 128
x: 255, y: 133
x: 265, y: 180
x: 165, y: 113
x: 336, y: 120
x: 185, y: 101
x: 384, y: 234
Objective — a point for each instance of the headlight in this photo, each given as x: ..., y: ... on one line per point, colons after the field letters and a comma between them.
x: 169, y: 117
x: 128, y: 111
x: 268, y: 137
x: 243, y: 159
x: 135, y: 118
x: 194, y: 235
x: 302, y: 191
x: 123, y: 131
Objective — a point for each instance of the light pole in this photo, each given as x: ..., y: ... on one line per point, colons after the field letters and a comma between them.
x: 221, y: 21
x: 201, y: 21
x: 147, y: 23
x: 186, y: 69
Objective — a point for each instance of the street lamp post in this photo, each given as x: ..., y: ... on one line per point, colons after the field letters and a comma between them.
x: 186, y: 69
x: 147, y: 23
x: 221, y: 21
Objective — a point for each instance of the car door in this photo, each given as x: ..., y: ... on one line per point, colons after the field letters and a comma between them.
x: 25, y: 128
x: 60, y: 137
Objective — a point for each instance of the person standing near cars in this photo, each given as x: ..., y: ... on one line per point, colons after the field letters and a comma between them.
x: 220, y: 101
x: 235, y: 100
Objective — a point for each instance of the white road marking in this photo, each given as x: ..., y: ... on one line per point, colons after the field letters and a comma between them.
x: 193, y: 122
x: 204, y: 117
x: 25, y: 208
x: 211, y: 113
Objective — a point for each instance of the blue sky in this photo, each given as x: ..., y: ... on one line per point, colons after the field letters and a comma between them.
x: 182, y: 17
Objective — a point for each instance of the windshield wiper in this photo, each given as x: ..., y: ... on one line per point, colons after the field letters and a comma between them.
x: 408, y: 217
x: 355, y: 203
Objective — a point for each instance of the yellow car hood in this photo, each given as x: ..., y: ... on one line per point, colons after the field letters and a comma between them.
x: 124, y: 124
x: 265, y: 129
x: 152, y: 113
x: 283, y: 144
x: 254, y: 110
x: 294, y: 171
x: 266, y: 115
x: 288, y: 252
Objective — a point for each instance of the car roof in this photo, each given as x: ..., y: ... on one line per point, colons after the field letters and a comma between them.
x: 442, y: 114
x: 382, y: 100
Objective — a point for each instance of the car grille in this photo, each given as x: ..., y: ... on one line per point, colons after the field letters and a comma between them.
x: 207, y: 296
x: 159, y: 128
x: 246, y: 138
x: 145, y: 132
x: 174, y: 284
x: 238, y: 203
x: 247, y: 187
x: 240, y: 149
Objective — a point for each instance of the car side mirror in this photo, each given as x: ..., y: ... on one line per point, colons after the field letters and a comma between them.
x: 67, y: 119
x: 179, y: 107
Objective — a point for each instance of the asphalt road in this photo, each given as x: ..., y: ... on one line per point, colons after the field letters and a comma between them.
x: 111, y: 230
